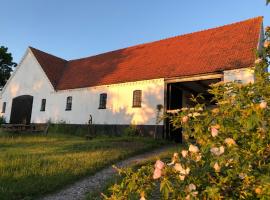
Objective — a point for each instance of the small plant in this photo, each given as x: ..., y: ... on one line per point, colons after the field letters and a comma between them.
x: 158, y: 118
x: 2, y: 120
x: 131, y: 131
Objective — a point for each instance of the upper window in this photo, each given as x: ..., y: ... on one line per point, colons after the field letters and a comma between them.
x: 102, y: 101
x: 69, y: 103
x: 137, y: 98
x: 43, y: 105
x: 4, y: 107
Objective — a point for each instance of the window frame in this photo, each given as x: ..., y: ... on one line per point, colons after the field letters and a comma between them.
x: 69, y: 103
x: 4, y: 105
x: 103, y: 101
x: 43, y: 105
x: 137, y: 99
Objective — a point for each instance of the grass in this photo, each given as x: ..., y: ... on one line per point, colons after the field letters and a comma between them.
x: 34, y: 165
x: 164, y: 156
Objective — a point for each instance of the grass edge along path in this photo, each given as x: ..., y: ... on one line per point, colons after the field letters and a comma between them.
x: 166, y: 155
x: 78, y: 191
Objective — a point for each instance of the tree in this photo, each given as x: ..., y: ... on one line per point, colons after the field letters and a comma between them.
x: 267, y: 2
x: 6, y: 65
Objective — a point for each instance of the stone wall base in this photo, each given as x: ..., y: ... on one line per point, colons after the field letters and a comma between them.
x: 108, y: 129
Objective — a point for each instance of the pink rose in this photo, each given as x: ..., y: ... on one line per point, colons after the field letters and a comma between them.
x: 198, y: 157
x: 242, y: 176
x: 182, y: 177
x: 191, y: 187
x: 266, y: 44
x: 184, y: 153
x: 159, y: 165
x: 142, y: 198
x: 230, y: 142
x: 214, y: 132
x: 263, y: 105
x: 217, y: 151
x: 157, y: 173
x: 193, y: 149
x: 184, y: 119
x: 217, y: 167
x: 175, y: 155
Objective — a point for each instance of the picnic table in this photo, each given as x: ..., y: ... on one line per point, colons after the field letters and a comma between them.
x: 25, y: 127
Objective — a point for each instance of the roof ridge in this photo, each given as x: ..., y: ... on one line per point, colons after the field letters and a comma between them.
x: 168, y: 38
x: 35, y: 49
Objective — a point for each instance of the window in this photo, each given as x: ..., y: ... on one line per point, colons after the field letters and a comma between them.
x: 69, y: 103
x: 102, y: 101
x: 137, y: 98
x: 43, y: 105
x: 4, y: 107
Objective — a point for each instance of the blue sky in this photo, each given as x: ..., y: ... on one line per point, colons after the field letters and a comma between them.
x: 79, y: 28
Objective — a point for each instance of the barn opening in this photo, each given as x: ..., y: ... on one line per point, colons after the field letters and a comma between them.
x: 178, y: 93
x: 21, y: 109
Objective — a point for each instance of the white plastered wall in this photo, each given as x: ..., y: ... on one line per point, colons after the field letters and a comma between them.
x: 119, y: 108
x: 244, y: 75
x: 30, y: 79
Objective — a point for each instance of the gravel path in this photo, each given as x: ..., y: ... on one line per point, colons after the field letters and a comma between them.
x: 78, y: 190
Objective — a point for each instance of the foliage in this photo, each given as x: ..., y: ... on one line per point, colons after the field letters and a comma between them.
x: 116, y: 179
x: 2, y: 120
x: 131, y: 131
x: 6, y: 65
x: 228, y: 146
x: 32, y: 165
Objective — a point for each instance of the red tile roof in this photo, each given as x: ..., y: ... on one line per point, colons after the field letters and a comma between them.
x: 213, y: 50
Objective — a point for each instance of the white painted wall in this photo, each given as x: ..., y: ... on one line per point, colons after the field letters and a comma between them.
x: 119, y: 108
x: 29, y: 79
x: 245, y: 75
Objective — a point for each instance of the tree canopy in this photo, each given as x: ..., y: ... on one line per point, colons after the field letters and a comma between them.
x: 6, y: 65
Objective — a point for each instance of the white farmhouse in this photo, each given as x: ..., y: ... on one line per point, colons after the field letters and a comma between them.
x: 125, y: 86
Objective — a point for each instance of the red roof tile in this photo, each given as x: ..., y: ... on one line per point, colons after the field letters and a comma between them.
x: 223, y: 48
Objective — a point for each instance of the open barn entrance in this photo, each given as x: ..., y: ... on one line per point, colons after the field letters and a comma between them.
x: 178, y: 94
x: 21, y: 109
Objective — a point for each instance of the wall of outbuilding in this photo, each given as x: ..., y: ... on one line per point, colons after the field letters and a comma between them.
x: 118, y: 110
x: 243, y: 75
x: 29, y: 79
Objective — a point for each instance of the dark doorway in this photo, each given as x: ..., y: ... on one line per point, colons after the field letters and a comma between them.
x: 174, y: 101
x: 21, y: 110
x: 178, y: 95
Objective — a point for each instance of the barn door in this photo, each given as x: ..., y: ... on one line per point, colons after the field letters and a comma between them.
x: 21, y: 110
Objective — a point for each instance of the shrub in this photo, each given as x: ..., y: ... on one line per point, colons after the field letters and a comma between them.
x: 2, y: 120
x: 131, y: 131
x: 229, y: 157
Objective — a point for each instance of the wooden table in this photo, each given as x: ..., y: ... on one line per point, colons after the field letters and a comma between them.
x: 15, y: 127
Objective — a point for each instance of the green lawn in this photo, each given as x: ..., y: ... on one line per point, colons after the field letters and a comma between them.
x: 34, y: 165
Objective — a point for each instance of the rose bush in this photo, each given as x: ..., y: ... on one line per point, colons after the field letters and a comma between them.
x: 227, y: 151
